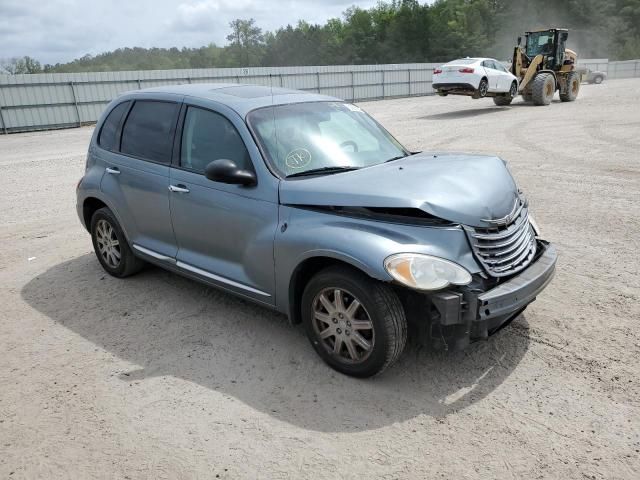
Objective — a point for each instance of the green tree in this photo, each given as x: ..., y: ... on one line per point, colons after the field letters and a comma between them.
x: 16, y: 66
x: 396, y: 31
x: 246, y: 42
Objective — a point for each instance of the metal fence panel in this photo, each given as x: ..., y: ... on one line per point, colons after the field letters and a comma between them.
x: 43, y: 101
x: 625, y: 69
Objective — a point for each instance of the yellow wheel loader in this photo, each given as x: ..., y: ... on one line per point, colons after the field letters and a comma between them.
x: 543, y: 65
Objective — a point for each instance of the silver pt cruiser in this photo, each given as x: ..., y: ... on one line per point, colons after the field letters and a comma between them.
x: 305, y: 204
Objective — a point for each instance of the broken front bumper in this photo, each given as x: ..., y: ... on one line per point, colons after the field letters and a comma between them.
x: 461, y: 317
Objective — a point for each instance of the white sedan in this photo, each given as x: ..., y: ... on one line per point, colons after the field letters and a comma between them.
x: 476, y: 77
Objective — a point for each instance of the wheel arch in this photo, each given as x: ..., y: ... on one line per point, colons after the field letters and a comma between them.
x: 91, y: 204
x: 307, y: 268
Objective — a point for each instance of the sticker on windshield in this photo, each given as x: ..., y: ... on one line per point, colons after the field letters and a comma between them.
x: 298, y: 158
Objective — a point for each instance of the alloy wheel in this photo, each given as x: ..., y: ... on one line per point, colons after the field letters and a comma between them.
x: 108, y: 243
x: 342, y: 325
x: 483, y: 88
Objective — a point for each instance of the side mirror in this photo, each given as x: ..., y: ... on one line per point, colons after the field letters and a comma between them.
x: 519, y: 40
x: 226, y: 171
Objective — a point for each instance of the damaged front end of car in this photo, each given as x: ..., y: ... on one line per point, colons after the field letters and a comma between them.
x: 452, y: 233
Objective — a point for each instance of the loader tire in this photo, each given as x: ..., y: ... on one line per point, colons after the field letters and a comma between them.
x: 543, y: 89
x: 572, y: 89
x: 527, y: 97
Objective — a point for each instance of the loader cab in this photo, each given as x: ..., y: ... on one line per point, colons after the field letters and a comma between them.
x: 548, y: 43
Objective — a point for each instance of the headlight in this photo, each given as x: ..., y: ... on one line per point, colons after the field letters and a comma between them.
x: 534, y: 224
x: 424, y: 272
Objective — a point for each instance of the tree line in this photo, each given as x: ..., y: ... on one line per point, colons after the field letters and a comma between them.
x: 399, y: 31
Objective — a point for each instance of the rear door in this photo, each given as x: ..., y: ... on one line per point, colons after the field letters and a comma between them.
x: 136, y: 180
x: 225, y: 232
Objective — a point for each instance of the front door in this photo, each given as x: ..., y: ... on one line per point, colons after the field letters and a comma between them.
x: 136, y: 179
x: 505, y: 79
x: 225, y: 232
x: 492, y: 75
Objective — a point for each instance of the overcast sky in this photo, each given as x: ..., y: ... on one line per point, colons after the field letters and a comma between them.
x: 60, y: 30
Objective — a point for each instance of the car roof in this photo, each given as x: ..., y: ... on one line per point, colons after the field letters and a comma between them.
x: 239, y: 97
x: 472, y: 59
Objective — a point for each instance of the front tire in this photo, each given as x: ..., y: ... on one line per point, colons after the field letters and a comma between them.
x: 507, y: 98
x: 111, y: 247
x: 356, y: 324
x: 543, y: 89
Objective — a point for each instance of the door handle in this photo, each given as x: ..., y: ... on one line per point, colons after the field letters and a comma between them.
x: 178, y: 188
x: 113, y: 170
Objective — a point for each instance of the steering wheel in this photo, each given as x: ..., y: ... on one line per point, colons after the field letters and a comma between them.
x: 350, y: 143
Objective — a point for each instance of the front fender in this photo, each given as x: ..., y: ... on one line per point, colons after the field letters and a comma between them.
x: 363, y: 243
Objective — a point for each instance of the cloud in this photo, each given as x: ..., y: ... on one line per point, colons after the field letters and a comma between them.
x: 61, y: 30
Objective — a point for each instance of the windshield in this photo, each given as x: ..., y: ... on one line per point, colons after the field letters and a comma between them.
x: 321, y: 135
x: 540, y: 43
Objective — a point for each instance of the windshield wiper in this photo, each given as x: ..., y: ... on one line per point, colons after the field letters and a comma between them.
x: 396, y: 158
x: 327, y: 170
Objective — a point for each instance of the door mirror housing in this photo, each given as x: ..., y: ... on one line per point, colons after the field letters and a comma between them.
x: 226, y: 171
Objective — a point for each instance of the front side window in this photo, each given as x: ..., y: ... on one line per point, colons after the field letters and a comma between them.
x: 321, y: 135
x: 208, y: 136
x: 107, y: 137
x: 147, y: 131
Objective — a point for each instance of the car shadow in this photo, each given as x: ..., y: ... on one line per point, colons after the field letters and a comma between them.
x: 476, y: 112
x: 469, y: 113
x: 165, y: 324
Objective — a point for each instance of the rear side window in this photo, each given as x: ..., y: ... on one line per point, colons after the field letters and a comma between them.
x: 107, y: 137
x: 208, y: 136
x: 147, y: 131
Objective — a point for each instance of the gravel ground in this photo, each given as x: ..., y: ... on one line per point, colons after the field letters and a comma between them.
x: 157, y: 376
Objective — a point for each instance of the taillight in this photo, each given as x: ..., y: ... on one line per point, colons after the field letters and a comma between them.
x: 437, y: 71
x: 466, y: 70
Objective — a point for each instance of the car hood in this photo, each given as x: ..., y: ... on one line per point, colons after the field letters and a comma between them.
x: 460, y: 188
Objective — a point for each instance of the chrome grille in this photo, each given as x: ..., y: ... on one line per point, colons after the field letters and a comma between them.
x: 505, y: 249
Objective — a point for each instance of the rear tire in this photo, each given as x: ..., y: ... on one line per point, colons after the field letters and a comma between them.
x: 598, y: 79
x: 483, y: 88
x: 572, y: 88
x: 330, y: 321
x: 111, y: 247
x: 527, y: 97
x: 543, y: 89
